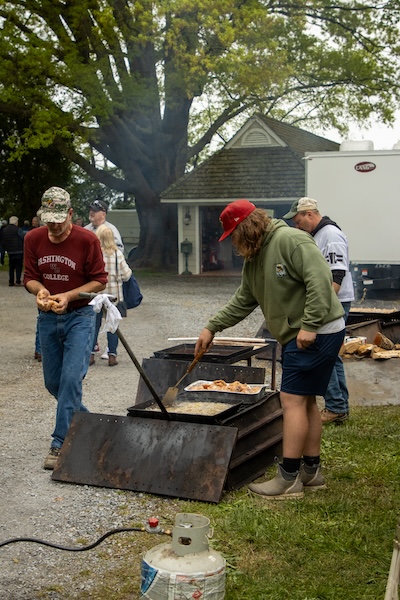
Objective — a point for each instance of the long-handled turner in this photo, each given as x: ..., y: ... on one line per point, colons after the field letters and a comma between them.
x: 133, y: 358
x: 172, y: 392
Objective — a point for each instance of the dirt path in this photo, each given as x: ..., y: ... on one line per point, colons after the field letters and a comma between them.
x: 31, y: 503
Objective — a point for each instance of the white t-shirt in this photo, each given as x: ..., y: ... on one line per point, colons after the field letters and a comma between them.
x: 334, y: 246
x: 116, y: 233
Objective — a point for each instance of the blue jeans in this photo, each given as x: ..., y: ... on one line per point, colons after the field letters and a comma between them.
x: 337, y: 395
x: 66, y: 341
x: 37, y: 337
x: 112, y: 338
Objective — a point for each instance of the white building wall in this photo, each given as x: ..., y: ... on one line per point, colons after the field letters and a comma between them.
x: 189, y: 229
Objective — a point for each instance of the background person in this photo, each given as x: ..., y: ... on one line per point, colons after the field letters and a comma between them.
x: 118, y: 271
x: 97, y: 216
x: 62, y: 260
x: 26, y: 226
x: 12, y: 241
x: 334, y: 246
x: 2, y: 251
x: 38, y: 352
x: 286, y: 275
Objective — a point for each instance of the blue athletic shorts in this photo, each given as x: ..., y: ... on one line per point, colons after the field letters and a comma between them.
x: 307, y: 372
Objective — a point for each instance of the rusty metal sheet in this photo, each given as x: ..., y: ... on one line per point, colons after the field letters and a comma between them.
x: 367, y: 329
x: 392, y: 331
x: 358, y: 314
x: 370, y: 328
x: 169, y: 458
x: 260, y: 432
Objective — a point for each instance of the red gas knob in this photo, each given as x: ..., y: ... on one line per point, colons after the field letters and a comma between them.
x: 153, y: 522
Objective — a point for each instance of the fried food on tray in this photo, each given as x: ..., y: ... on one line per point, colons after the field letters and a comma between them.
x: 220, y: 385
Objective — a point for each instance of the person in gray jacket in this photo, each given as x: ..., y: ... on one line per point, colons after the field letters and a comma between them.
x: 286, y: 275
x: 97, y: 216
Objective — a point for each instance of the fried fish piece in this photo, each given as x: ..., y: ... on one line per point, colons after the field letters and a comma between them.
x: 219, y: 385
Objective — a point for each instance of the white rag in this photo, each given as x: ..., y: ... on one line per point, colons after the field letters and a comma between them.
x: 113, y: 316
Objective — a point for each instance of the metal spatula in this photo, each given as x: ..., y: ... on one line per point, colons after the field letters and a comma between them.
x: 172, y: 392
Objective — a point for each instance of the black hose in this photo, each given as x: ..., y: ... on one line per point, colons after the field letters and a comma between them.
x: 82, y: 548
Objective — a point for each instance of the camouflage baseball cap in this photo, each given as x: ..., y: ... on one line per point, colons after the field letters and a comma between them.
x: 56, y: 203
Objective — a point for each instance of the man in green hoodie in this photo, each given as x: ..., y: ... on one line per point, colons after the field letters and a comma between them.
x: 286, y: 275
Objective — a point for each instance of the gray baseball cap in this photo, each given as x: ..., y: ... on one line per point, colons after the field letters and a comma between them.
x: 300, y: 205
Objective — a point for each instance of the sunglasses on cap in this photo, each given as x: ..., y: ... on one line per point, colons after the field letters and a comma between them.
x: 98, y: 205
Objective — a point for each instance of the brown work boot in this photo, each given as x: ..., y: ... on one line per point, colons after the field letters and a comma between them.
x: 112, y: 360
x: 283, y: 486
x: 52, y: 458
x: 327, y: 416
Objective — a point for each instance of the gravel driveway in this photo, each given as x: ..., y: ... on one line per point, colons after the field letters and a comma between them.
x: 32, y: 505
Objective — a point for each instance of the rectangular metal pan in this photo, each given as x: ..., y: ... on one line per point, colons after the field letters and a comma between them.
x: 231, y: 406
x: 215, y: 354
x: 257, y: 392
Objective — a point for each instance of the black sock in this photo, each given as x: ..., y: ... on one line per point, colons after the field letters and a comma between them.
x: 312, y: 461
x: 291, y: 465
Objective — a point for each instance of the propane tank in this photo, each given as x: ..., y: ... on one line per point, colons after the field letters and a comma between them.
x: 185, y: 569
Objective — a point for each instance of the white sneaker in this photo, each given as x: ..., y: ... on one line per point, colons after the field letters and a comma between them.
x: 104, y: 356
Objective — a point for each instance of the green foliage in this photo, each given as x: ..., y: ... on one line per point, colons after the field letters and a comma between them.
x: 135, y: 81
x: 23, y: 180
x: 91, y: 70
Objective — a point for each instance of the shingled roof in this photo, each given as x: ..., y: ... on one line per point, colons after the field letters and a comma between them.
x: 263, y: 161
x: 299, y: 140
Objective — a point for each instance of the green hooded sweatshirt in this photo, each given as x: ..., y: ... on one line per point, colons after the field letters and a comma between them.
x: 291, y: 282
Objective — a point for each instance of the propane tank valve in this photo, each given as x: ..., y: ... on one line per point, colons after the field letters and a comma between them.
x: 153, y: 525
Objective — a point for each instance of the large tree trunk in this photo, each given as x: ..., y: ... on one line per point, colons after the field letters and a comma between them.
x: 157, y: 248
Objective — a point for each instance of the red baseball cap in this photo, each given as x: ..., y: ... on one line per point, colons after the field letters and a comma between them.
x: 234, y: 214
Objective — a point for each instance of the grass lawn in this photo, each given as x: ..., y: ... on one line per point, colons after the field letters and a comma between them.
x: 334, y: 544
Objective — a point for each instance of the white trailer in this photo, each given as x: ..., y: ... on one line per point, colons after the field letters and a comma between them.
x: 127, y: 223
x: 359, y: 188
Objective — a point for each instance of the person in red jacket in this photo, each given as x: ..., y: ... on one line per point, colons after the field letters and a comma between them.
x: 61, y: 261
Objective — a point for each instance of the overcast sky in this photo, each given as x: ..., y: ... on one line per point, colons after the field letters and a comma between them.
x: 382, y: 136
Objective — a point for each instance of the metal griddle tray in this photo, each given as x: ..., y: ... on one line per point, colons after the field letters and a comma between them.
x: 257, y: 392
x: 215, y: 354
x: 232, y: 406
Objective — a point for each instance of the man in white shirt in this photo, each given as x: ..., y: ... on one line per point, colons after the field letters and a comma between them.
x: 97, y: 216
x: 333, y: 244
